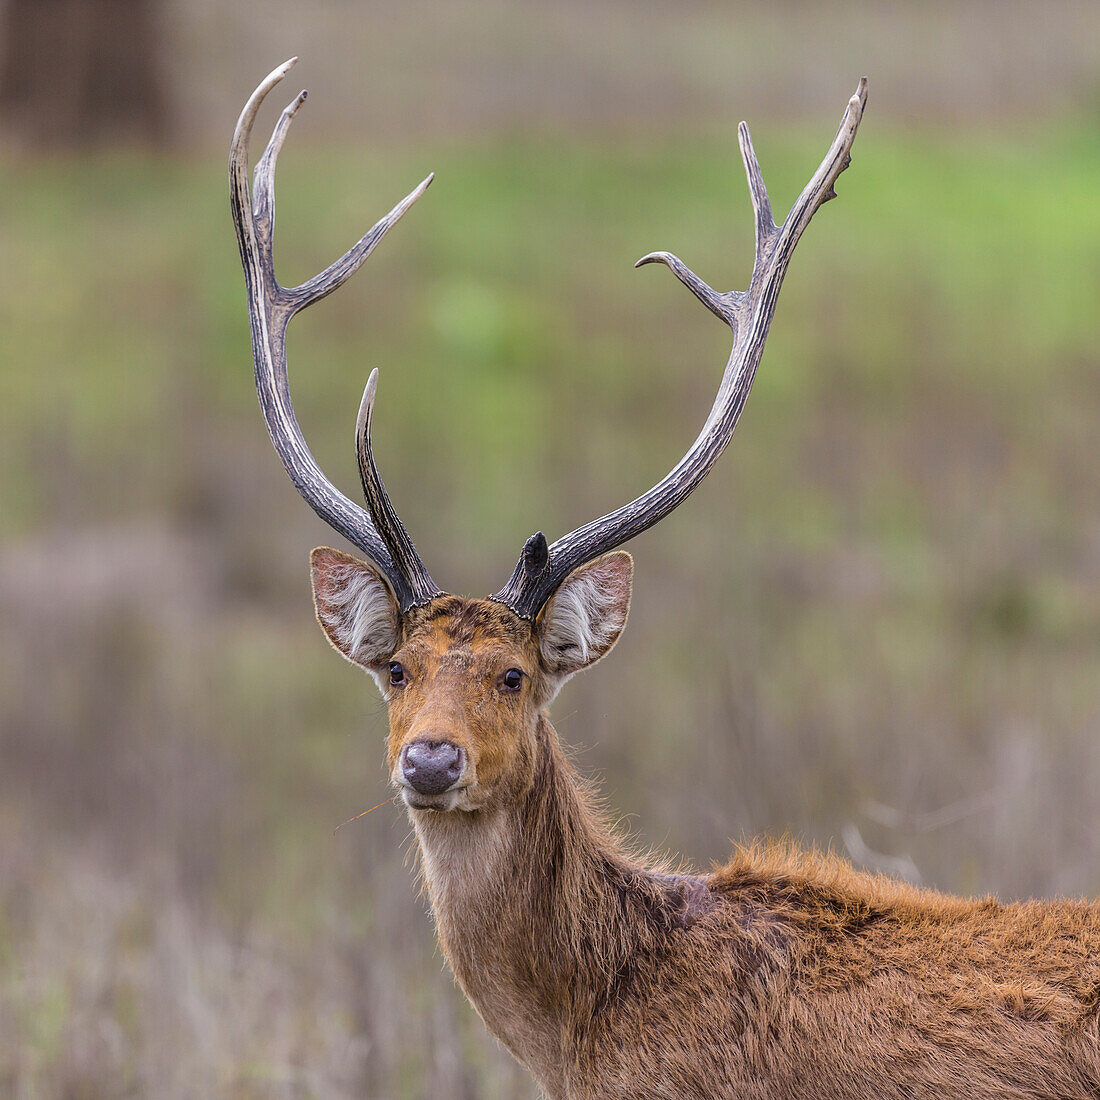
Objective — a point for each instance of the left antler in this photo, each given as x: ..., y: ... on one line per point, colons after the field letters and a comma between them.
x: 542, y: 568
x: 379, y: 533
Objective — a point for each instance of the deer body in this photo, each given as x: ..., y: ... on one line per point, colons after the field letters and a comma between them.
x: 784, y: 974
x: 777, y: 976
x: 781, y: 975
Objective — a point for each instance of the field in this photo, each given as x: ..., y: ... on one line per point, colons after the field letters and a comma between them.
x: 876, y: 625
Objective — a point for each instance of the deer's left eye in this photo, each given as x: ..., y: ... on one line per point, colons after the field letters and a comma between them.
x: 512, y: 679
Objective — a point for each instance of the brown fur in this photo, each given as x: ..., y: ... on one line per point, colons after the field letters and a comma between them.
x: 782, y: 974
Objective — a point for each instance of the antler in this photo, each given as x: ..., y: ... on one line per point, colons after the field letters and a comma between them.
x: 379, y: 533
x: 542, y: 568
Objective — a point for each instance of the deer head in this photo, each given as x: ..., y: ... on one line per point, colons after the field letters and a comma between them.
x: 466, y: 680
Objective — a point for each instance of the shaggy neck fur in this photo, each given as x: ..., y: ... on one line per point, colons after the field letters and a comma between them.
x: 540, y: 910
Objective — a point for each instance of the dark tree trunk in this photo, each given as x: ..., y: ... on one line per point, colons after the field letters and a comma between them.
x: 80, y: 73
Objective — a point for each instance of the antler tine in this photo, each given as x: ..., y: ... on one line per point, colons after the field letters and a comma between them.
x: 386, y: 519
x: 263, y: 184
x: 244, y: 214
x: 749, y: 314
x: 726, y: 307
x: 270, y: 308
x: 766, y: 228
x: 338, y: 272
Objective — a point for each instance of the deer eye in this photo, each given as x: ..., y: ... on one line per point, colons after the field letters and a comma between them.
x: 397, y: 674
x: 512, y: 679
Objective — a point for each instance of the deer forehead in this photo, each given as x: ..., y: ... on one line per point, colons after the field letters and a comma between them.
x: 463, y: 635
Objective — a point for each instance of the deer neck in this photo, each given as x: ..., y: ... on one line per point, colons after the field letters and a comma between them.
x: 528, y: 906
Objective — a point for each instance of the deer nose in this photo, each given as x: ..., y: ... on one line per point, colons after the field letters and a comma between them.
x: 432, y: 767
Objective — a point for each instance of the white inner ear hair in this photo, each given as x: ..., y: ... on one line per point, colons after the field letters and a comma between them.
x: 358, y: 611
x: 585, y: 618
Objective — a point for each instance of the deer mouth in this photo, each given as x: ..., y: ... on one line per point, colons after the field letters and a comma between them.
x: 466, y: 798
x: 416, y: 801
x: 456, y: 798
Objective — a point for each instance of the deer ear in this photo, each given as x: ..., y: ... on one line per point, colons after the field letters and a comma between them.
x: 355, y: 607
x: 586, y: 615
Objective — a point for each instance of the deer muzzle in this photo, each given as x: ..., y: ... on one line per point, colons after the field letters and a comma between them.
x: 430, y: 768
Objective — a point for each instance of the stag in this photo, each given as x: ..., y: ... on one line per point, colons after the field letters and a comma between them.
x: 783, y: 973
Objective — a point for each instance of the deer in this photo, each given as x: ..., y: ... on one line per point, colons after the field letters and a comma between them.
x: 783, y: 973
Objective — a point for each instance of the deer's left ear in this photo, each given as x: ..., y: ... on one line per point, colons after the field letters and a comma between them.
x: 586, y: 615
x: 355, y: 607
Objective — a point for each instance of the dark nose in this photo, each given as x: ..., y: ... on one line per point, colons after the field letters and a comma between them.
x: 432, y: 767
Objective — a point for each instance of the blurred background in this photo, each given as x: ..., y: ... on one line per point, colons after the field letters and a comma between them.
x: 875, y: 626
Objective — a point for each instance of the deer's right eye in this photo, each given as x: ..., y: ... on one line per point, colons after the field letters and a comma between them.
x: 397, y: 674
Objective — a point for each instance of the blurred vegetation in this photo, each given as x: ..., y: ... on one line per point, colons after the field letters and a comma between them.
x: 877, y: 623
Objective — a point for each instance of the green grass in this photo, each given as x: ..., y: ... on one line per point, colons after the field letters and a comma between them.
x: 505, y: 304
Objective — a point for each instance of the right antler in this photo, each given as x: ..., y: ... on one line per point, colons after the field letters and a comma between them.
x: 542, y: 568
x: 379, y: 533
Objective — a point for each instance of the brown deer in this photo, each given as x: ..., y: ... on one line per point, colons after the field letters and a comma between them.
x: 781, y: 974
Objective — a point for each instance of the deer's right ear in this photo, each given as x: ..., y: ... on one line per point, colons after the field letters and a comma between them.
x: 586, y: 615
x: 355, y: 607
